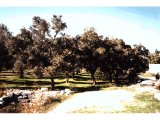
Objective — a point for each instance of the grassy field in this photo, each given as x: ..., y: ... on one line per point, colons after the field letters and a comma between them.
x: 81, y: 82
x: 144, y: 103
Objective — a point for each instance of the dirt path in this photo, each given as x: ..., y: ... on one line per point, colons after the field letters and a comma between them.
x: 101, y: 101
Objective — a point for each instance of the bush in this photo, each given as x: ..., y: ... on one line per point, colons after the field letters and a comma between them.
x: 157, y: 85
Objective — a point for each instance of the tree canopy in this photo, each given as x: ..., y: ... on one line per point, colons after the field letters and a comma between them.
x: 36, y: 48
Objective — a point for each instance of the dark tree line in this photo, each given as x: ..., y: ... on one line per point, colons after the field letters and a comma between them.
x: 46, y: 49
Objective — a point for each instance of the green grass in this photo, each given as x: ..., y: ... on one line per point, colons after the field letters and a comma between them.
x: 81, y: 82
x: 144, y: 103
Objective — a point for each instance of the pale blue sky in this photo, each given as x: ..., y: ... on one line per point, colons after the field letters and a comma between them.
x: 134, y: 25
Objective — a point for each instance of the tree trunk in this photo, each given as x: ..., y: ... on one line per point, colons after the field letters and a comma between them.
x: 92, y: 70
x: 67, y: 77
x: 93, y: 78
x: 52, y: 83
x: 21, y: 74
x: 110, y: 76
x: 73, y: 73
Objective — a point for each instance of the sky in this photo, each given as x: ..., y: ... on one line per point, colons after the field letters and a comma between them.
x: 135, y: 25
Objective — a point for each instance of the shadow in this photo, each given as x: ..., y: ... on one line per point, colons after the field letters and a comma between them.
x: 143, y: 79
x: 74, y: 82
x: 5, y: 71
x: 25, y: 82
x: 56, y: 100
x: 11, y: 82
x: 102, y: 82
x: 45, y: 77
x: 20, y: 88
x: 81, y: 78
x: 6, y: 75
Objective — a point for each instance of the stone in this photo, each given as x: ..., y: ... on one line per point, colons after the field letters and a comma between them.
x: 61, y: 92
x: 1, y: 104
x: 67, y: 91
x: 44, y: 89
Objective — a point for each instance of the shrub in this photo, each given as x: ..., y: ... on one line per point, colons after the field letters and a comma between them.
x: 157, y: 85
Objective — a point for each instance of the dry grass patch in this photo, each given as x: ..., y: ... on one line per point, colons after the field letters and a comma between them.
x: 144, y: 103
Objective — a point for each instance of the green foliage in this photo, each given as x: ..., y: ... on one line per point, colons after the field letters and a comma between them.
x: 5, y: 46
x: 19, y: 66
x: 58, y: 25
x: 65, y: 54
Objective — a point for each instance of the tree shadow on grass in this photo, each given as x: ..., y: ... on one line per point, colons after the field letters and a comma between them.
x: 75, y: 89
x: 34, y: 83
x: 25, y: 82
x: 80, y: 78
x: 81, y: 82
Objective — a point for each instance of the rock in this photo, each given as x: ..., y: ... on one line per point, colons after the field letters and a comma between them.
x: 157, y: 96
x: 67, y: 91
x: 24, y: 95
x: 147, y: 83
x: 20, y: 97
x: 1, y: 103
x: 10, y: 98
x: 43, y: 89
x: 53, y: 93
x: 62, y: 92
